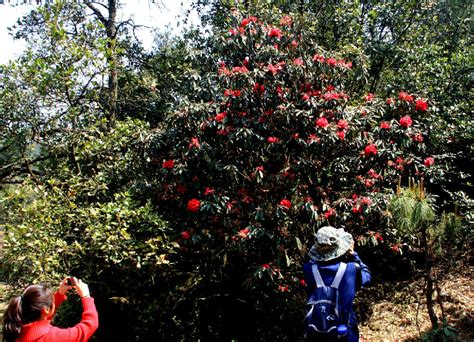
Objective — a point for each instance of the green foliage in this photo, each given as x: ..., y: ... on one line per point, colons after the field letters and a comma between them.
x: 193, y: 220
x: 444, y: 333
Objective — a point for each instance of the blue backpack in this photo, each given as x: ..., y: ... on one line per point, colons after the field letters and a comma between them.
x: 324, y: 314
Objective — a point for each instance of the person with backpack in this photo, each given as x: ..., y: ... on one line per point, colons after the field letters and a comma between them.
x: 333, y: 275
x: 28, y: 317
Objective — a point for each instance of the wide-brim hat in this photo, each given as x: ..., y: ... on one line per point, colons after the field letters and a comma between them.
x: 330, y: 243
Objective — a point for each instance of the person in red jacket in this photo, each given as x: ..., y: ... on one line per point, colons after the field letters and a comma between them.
x: 28, y: 317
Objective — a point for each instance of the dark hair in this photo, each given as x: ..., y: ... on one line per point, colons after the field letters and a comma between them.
x: 25, y: 309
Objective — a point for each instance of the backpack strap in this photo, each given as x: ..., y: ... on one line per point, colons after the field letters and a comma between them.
x: 340, y: 273
x: 317, y: 276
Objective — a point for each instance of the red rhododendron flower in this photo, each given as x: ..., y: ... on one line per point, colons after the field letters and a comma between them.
x: 342, y: 124
x: 341, y: 134
x: 194, y: 205
x: 244, y: 233
x: 168, y: 164
x: 406, y: 121
x: 421, y: 105
x: 273, y: 140
x: 294, y: 43
x: 370, y: 149
x: 366, y: 201
x: 285, y: 203
x: 185, y: 235
x: 313, y: 137
x: 194, y: 143
x: 286, y: 20
x: 385, y: 125
x: 247, y: 21
x: 318, y: 58
x: 209, y: 191
x: 283, y: 288
x: 404, y: 96
x: 399, y: 160
x: 240, y: 70
x: 418, y: 138
x: 330, y: 213
x: 369, y: 183
x: 378, y: 237
x: 258, y: 88
x: 302, y: 282
x: 220, y: 117
x: 429, y: 161
x: 275, y: 68
x: 298, y: 61
x: 369, y: 97
x: 389, y: 101
x: 322, y: 122
x: 275, y: 32
x: 233, y: 32
x: 259, y: 168
x: 331, y: 61
x: 266, y: 266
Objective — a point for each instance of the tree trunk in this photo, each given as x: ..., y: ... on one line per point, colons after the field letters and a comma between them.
x: 429, y: 280
x: 111, y: 30
x: 110, y: 24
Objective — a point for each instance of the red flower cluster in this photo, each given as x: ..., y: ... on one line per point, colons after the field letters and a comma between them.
x: 286, y: 20
x: 285, y: 203
x: 429, y: 161
x: 243, y: 233
x: 194, y: 143
x: 342, y: 124
x: 275, y: 32
x: 369, y: 97
x: 385, y: 125
x: 330, y: 213
x: 220, y: 117
x: 332, y: 61
x: 370, y: 149
x: 194, y: 205
x: 185, y: 235
x: 168, y: 164
x: 234, y: 93
x: 247, y: 21
x: 258, y: 88
x: 274, y: 69
x: 272, y: 140
x: 406, y: 121
x: 322, y: 122
x: 418, y: 138
x: 404, y: 96
x: 421, y: 105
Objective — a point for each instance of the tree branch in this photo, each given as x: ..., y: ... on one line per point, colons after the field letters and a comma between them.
x: 96, y: 11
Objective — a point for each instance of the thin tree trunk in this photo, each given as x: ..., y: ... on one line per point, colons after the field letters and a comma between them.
x: 429, y: 280
x: 110, y: 24
x: 111, y: 30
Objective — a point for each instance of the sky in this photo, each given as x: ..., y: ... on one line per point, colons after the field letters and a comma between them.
x: 142, y: 12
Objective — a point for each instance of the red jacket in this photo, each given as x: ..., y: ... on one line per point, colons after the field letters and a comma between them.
x: 43, y: 331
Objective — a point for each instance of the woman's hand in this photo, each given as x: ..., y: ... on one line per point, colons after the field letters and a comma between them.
x: 82, y: 288
x: 64, y: 287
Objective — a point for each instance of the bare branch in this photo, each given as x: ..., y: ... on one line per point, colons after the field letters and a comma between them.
x: 96, y: 11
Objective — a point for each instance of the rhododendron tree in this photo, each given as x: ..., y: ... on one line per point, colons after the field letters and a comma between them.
x: 286, y: 149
